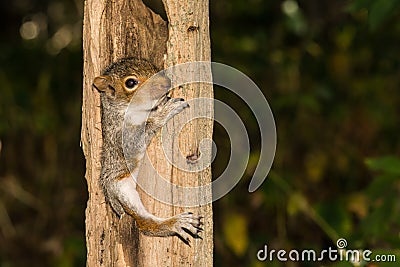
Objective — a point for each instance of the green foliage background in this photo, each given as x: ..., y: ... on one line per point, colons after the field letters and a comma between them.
x: 331, y: 73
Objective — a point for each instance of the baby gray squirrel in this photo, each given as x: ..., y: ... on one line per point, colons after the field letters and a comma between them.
x: 127, y: 83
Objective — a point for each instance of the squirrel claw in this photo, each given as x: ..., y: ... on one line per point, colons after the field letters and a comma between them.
x: 187, y: 225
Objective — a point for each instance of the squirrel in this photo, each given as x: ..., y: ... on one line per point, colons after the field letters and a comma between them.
x: 127, y: 83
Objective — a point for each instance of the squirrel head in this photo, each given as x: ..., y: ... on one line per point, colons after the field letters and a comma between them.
x: 132, y: 80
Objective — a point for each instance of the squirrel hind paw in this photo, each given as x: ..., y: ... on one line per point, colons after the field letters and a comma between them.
x: 188, y: 225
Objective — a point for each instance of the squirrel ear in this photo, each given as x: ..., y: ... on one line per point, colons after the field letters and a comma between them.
x: 101, y: 83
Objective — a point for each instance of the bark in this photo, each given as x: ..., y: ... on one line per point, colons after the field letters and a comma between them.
x: 188, y: 41
x: 123, y: 28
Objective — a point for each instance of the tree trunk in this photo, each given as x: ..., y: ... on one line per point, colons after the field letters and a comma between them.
x: 123, y: 28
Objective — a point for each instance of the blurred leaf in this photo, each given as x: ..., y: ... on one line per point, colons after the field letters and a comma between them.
x: 358, y: 203
x: 381, y: 185
x: 297, y: 203
x: 378, y: 221
x: 393, y: 240
x: 378, y: 10
x: 315, y: 164
x: 359, y: 4
x: 338, y: 218
x: 340, y: 65
x: 345, y: 37
x: 236, y: 233
x: 381, y: 10
x: 297, y: 23
x: 387, y: 164
x: 74, y: 252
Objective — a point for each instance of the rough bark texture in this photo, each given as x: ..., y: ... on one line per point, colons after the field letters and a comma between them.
x: 189, y: 41
x: 122, y: 28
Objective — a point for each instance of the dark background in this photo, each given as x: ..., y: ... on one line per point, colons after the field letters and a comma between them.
x: 331, y: 73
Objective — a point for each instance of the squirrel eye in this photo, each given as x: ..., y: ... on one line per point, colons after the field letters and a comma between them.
x: 131, y: 83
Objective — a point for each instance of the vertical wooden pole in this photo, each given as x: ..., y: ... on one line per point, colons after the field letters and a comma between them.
x: 114, y: 30
x: 189, y: 41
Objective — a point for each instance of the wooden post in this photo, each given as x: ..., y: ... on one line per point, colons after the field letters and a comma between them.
x: 189, y: 41
x: 123, y: 28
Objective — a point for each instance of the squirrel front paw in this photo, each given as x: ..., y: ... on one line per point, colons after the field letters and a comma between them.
x: 174, y: 106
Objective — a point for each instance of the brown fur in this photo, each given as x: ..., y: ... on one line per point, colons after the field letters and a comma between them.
x: 116, y: 97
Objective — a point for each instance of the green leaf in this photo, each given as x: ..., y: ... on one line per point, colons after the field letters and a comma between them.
x: 387, y: 164
x: 381, y: 185
x: 297, y: 202
x: 378, y: 10
x: 336, y: 216
x: 381, y: 10
x: 359, y: 4
x: 236, y: 233
x: 377, y: 224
